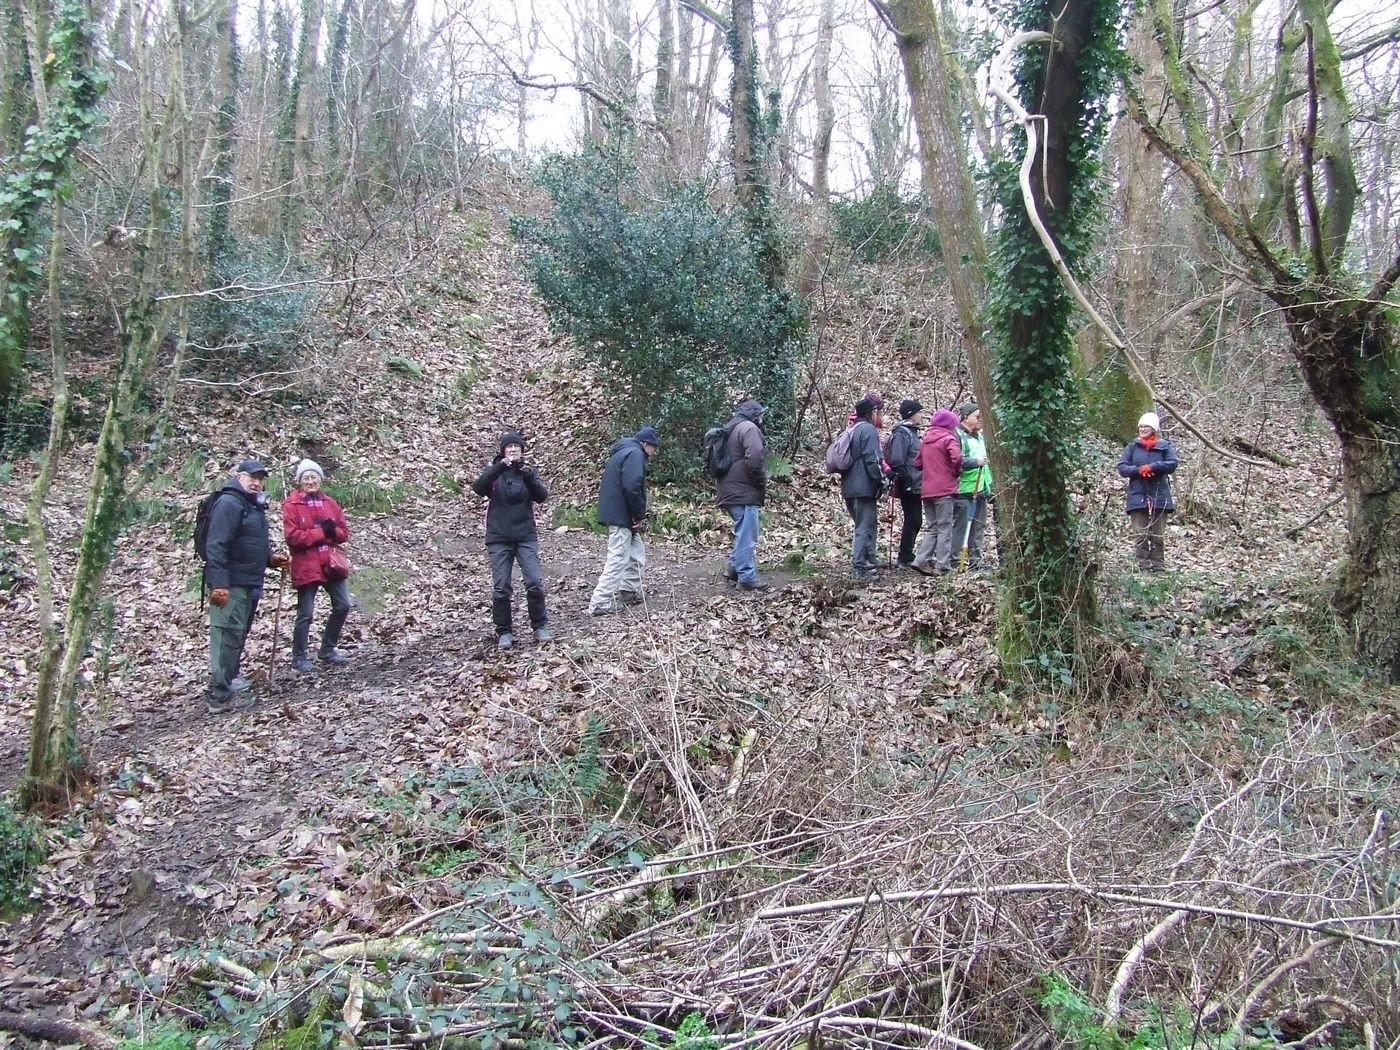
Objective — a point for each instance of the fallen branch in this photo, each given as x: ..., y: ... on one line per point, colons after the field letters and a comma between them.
x: 56, y: 1030
x: 1249, y: 448
x: 1332, y: 927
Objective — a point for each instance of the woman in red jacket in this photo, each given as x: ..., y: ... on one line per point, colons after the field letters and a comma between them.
x: 314, y: 527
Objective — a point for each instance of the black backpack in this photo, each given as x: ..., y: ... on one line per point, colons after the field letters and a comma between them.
x: 201, y: 524
x: 714, y: 451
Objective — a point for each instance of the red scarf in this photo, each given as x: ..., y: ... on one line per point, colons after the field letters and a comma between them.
x: 1149, y: 442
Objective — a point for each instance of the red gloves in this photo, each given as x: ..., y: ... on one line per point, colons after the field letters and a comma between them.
x: 1145, y: 471
x: 218, y: 597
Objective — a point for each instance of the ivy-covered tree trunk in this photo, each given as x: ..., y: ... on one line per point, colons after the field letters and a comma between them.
x: 751, y: 136
x: 1048, y: 606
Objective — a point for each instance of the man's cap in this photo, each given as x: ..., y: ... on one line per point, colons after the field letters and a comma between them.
x: 252, y: 466
x: 648, y: 436
x: 967, y: 408
x: 908, y: 407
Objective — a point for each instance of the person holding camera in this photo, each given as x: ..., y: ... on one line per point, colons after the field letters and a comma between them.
x: 314, y: 527
x: 512, y: 489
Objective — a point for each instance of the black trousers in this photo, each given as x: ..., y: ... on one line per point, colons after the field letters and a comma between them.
x: 503, y: 556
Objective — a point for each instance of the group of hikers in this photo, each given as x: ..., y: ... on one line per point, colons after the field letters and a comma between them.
x: 937, y: 471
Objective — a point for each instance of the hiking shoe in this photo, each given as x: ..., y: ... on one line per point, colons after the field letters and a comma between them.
x: 607, y: 608
x: 303, y: 664
x: 756, y: 585
x: 505, y: 641
x: 236, y: 702
x: 731, y: 574
x: 543, y: 634
x: 240, y: 685
x: 921, y: 568
x: 631, y: 597
x: 334, y: 657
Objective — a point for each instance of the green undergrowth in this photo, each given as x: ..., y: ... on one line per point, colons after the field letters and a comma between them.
x: 21, y: 852
x: 1081, y: 1025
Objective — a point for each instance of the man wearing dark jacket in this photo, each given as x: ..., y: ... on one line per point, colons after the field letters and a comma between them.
x: 512, y: 489
x: 237, y: 554
x: 742, y: 490
x: 863, y: 485
x: 904, y: 447
x: 622, y: 507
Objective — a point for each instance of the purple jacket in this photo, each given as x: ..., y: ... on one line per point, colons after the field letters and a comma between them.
x: 940, y: 456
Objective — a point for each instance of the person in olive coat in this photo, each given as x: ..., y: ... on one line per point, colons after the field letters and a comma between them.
x: 864, y: 483
x: 742, y: 490
x: 512, y: 488
x: 1148, y: 463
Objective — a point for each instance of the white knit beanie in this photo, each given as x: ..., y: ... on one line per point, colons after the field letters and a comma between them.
x: 304, y: 466
x: 1149, y: 419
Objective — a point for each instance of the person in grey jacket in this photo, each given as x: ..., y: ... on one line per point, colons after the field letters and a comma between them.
x: 512, y: 488
x: 742, y: 490
x: 864, y: 483
x: 1148, y: 463
x: 622, y: 507
x: 237, y: 555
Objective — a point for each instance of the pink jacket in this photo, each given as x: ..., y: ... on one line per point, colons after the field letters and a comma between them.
x: 940, y: 456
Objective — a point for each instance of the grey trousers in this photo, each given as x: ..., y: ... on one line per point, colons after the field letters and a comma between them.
x: 228, y: 632
x: 936, y: 547
x: 339, y: 591
x: 1149, y: 538
x: 866, y: 515
x: 503, y: 556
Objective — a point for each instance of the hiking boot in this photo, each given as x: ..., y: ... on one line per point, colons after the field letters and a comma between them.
x: 240, y: 685
x: 631, y: 597
x: 303, y: 664
x: 543, y: 634
x: 505, y: 641
x: 923, y: 569
x: 235, y: 702
x: 731, y: 574
x: 756, y: 585
x: 335, y: 658
x: 607, y: 608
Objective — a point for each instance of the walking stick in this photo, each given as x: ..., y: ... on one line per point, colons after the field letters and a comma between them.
x: 277, y: 628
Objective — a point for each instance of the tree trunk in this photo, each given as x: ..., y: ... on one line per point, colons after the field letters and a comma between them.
x: 818, y: 237
x: 1048, y: 606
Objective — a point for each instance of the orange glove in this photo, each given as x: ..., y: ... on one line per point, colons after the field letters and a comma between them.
x: 1145, y: 471
x: 218, y: 597
x: 279, y: 561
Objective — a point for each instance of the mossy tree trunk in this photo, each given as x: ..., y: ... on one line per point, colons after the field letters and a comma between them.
x: 1292, y: 234
x: 55, y: 755
x: 1048, y: 608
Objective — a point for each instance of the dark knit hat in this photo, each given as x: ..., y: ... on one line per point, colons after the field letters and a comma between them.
x: 648, y: 436
x: 866, y: 407
x: 967, y: 408
x: 512, y: 437
x: 908, y: 407
x: 251, y: 466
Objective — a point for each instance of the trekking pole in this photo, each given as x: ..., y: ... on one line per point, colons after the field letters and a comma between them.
x: 277, y: 628
x: 890, y: 564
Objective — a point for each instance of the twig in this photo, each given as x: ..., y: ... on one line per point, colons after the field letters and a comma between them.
x: 1289, y: 533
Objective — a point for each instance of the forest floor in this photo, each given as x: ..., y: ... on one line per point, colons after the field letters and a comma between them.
x: 301, y: 822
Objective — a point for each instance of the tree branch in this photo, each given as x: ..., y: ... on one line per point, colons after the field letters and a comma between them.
x: 1385, y: 283
x: 1373, y: 43
x: 705, y: 11
x: 1309, y: 143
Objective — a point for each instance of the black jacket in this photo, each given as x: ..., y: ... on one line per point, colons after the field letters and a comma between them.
x: 236, y: 547
x: 746, y: 483
x: 622, y: 499
x: 904, y: 446
x: 511, y: 491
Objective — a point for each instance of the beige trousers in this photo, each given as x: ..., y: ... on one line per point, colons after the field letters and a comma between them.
x: 622, y: 570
